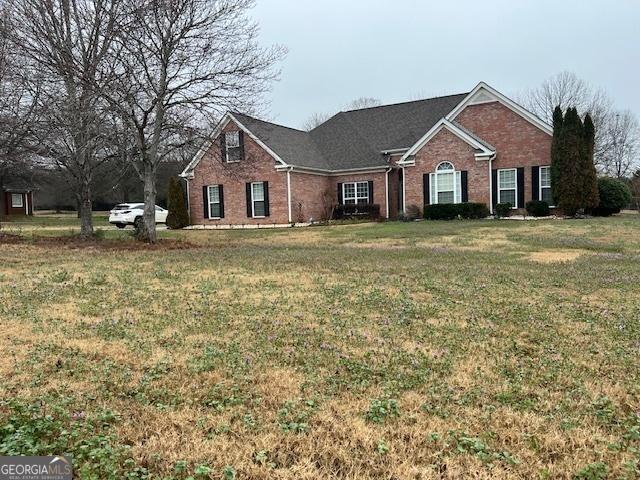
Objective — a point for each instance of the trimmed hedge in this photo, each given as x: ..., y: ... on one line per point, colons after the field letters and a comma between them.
x: 614, y: 196
x: 451, y: 211
x: 351, y: 211
x: 503, y: 210
x: 538, y: 208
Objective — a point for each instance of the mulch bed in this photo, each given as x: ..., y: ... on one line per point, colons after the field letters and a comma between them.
x: 76, y: 242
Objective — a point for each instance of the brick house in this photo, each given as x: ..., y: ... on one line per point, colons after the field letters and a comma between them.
x: 478, y: 146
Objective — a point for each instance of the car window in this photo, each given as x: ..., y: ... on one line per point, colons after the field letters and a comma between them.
x: 121, y: 207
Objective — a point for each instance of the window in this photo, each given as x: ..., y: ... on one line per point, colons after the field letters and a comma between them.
x: 507, y: 186
x: 232, y: 146
x: 257, y: 200
x: 355, y: 193
x: 446, y: 186
x: 545, y: 185
x: 215, y: 202
x: 16, y: 200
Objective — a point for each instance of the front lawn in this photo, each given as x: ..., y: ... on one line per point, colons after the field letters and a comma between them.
x: 479, y: 349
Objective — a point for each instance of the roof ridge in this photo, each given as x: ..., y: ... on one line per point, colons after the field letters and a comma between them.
x: 404, y: 103
x: 266, y: 121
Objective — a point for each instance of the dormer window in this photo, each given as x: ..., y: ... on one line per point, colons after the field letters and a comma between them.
x: 233, y: 147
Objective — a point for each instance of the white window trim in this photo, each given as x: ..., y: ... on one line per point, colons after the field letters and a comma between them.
x: 355, y: 192
x: 253, y: 202
x: 515, y: 189
x: 209, y: 187
x: 457, y: 187
x: 226, y: 147
x: 21, y: 205
x: 540, y: 182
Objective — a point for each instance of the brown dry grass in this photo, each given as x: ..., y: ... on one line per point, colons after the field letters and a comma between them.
x: 201, y: 350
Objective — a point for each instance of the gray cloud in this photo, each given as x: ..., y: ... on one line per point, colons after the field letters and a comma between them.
x: 398, y: 50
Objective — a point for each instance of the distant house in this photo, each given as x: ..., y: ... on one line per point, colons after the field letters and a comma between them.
x: 478, y: 146
x: 17, y: 198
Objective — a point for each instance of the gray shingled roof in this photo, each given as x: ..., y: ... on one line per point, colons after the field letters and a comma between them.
x: 294, y: 146
x: 356, y: 138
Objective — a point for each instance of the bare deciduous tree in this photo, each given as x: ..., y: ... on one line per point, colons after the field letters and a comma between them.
x: 622, y: 135
x: 358, y: 104
x: 567, y: 90
x: 66, y: 44
x: 179, y: 64
x: 316, y: 119
x: 17, y: 106
x: 617, y: 145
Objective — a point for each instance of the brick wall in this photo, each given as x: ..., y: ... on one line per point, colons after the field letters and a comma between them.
x: 445, y: 146
x: 518, y: 142
x: 378, y: 179
x: 306, y: 196
x: 258, y: 166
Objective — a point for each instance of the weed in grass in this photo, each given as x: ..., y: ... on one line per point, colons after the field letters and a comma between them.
x: 382, y: 409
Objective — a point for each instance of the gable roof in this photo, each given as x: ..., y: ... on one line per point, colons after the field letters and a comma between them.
x: 357, y: 139
x: 294, y: 147
x: 482, y: 148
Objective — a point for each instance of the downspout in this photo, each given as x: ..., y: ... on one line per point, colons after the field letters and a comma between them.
x: 289, y: 193
x: 491, y: 158
x: 404, y: 190
x: 386, y: 189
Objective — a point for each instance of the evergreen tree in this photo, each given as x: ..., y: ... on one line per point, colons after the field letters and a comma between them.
x: 178, y: 216
x: 571, y: 151
x: 556, y: 155
x: 589, y: 193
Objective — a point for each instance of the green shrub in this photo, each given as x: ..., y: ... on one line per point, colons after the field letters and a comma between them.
x: 503, y: 210
x: 538, y: 208
x: 450, y: 211
x: 614, y: 196
x: 178, y: 217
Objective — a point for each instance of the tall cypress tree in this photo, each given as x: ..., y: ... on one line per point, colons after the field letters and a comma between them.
x: 589, y: 193
x: 571, y: 150
x: 556, y: 155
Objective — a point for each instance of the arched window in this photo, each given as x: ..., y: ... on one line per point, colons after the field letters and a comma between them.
x: 445, y: 166
x: 444, y: 184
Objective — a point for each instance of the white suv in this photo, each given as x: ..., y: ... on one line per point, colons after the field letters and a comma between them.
x: 131, y: 214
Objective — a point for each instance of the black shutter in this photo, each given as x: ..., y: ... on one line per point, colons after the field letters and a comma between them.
x: 464, y: 186
x: 535, y: 183
x: 425, y: 189
x: 340, y: 194
x: 370, y: 192
x: 223, y: 147
x: 249, y: 209
x: 205, y: 201
x: 241, y: 141
x: 494, y: 187
x: 266, y: 198
x: 221, y: 194
x: 521, y: 187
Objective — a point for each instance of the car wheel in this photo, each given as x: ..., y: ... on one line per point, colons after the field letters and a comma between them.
x: 137, y: 223
x: 121, y: 225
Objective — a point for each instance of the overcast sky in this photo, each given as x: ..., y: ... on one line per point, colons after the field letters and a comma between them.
x: 398, y: 50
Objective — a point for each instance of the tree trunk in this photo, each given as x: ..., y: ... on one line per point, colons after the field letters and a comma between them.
x: 86, y: 220
x: 148, y: 233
